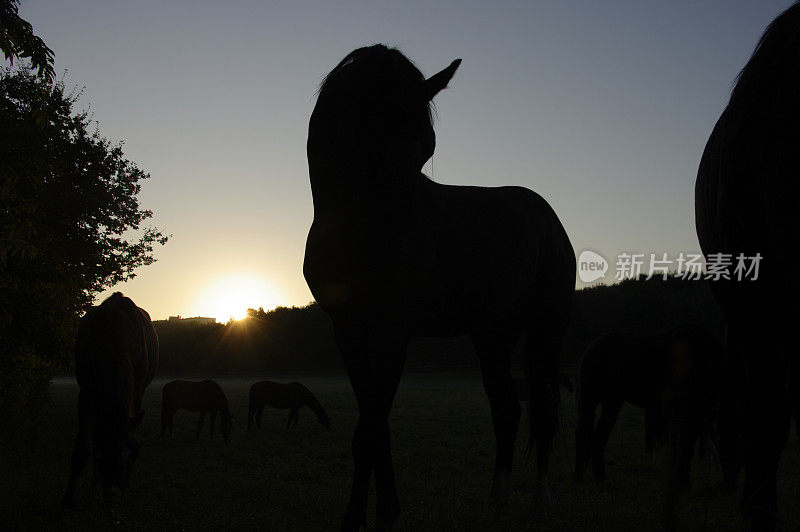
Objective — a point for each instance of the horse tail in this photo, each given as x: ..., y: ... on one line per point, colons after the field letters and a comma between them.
x: 542, y: 380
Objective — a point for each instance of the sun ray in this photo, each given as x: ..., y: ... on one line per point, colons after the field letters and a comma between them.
x: 230, y: 296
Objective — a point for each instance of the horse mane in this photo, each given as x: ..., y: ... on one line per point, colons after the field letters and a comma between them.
x: 775, y: 61
x: 371, y: 75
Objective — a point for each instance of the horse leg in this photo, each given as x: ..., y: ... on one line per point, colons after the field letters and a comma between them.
x: 730, y: 416
x: 296, y: 416
x: 212, y: 418
x: 494, y: 354
x: 251, y: 410
x: 200, y: 423
x: 543, y: 352
x: 652, y: 429
x: 374, y: 366
x: 587, y: 405
x: 259, y: 413
x: 289, y: 421
x: 767, y: 426
x: 610, y: 411
x: 87, y: 416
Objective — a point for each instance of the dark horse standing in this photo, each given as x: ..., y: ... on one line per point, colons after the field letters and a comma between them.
x: 205, y: 397
x: 276, y: 394
x: 673, y: 376
x: 392, y: 255
x: 746, y: 205
x: 116, y: 356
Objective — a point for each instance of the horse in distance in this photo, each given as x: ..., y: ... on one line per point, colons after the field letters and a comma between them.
x: 292, y: 396
x: 205, y: 397
x: 116, y: 357
x: 745, y: 215
x: 393, y: 255
x: 673, y: 376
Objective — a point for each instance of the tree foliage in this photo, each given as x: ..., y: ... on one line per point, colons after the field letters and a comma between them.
x: 17, y: 40
x: 70, y: 225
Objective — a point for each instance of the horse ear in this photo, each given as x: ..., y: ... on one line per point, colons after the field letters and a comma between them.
x: 437, y: 82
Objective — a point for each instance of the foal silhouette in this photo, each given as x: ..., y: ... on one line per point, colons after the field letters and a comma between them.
x: 205, y: 397
x: 392, y: 255
x: 674, y: 376
x: 746, y: 205
x: 116, y: 356
x: 292, y: 395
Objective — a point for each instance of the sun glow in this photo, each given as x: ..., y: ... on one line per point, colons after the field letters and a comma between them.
x: 230, y: 297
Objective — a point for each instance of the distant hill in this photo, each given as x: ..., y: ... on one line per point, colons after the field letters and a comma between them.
x: 300, y: 339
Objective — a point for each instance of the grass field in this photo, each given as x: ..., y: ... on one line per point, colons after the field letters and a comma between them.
x: 299, y: 479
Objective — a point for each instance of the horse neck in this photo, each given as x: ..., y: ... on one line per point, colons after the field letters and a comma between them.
x: 343, y: 178
x: 224, y: 409
x: 314, y: 404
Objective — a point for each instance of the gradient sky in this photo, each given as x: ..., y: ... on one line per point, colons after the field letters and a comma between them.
x: 602, y: 107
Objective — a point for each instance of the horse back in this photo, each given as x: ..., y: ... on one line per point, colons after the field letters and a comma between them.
x: 279, y: 395
x: 116, y: 353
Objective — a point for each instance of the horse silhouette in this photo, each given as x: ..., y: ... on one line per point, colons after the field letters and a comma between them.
x: 392, y: 255
x: 292, y: 395
x: 116, y: 356
x: 673, y: 376
x: 746, y: 206
x: 205, y: 397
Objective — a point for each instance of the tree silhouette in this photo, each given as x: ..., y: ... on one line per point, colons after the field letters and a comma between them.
x: 71, y: 226
x: 18, y: 41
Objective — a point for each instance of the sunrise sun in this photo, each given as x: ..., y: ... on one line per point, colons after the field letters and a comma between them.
x: 230, y: 296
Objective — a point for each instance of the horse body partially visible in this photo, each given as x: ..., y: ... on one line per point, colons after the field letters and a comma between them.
x: 293, y: 396
x: 392, y: 255
x: 745, y: 203
x: 205, y: 397
x: 673, y: 376
x: 116, y: 357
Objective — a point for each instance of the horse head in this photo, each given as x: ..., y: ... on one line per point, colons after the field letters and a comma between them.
x: 374, y: 108
x: 118, y: 449
x: 227, y: 427
x: 322, y: 419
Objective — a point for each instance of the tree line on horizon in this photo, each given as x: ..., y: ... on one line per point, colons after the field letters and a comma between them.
x: 300, y: 339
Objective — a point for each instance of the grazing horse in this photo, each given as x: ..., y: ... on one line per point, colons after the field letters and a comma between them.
x: 205, y: 397
x: 746, y: 216
x: 673, y: 376
x: 293, y: 395
x: 392, y: 255
x: 116, y: 356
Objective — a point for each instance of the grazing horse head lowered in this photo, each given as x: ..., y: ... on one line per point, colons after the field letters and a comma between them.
x: 205, y: 397
x: 116, y: 356
x: 392, y: 255
x: 746, y: 206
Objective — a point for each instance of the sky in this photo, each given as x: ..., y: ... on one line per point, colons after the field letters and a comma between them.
x: 603, y: 108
